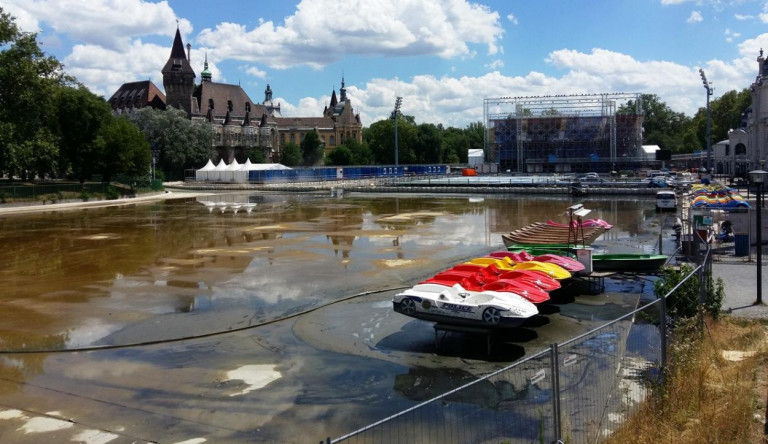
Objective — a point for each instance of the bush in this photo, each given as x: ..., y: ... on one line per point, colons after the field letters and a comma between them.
x: 685, y: 301
x: 111, y: 193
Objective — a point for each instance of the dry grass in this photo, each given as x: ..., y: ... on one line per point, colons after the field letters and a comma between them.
x: 709, y: 396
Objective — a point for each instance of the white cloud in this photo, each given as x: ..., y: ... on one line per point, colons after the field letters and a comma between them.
x: 730, y: 35
x: 104, y: 70
x: 743, y: 17
x: 111, y: 24
x: 695, y: 17
x: 496, y: 64
x: 674, y: 2
x: 321, y: 32
x: 256, y: 72
x: 512, y: 19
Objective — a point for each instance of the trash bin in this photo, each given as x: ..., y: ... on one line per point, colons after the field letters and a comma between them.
x: 584, y: 256
x: 741, y: 244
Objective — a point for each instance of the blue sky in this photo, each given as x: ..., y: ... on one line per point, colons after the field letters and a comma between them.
x: 442, y: 56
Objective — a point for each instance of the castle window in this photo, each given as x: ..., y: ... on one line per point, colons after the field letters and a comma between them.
x: 247, y: 107
x: 229, y: 105
x: 727, y: 150
x: 332, y: 141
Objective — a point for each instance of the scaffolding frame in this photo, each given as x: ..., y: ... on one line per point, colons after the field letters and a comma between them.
x: 571, y: 123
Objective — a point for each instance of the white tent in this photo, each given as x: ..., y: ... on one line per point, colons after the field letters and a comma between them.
x: 215, y: 174
x: 230, y: 174
x: 202, y: 173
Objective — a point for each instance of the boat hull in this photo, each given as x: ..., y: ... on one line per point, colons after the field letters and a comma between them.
x: 628, y: 262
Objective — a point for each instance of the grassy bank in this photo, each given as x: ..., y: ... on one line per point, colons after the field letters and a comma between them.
x: 715, y: 391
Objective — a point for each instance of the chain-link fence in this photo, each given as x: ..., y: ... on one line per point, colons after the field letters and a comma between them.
x: 34, y: 191
x: 577, y: 392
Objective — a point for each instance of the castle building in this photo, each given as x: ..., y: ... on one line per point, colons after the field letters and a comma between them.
x: 746, y: 148
x: 238, y: 122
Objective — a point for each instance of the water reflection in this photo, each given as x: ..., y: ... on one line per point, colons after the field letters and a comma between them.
x: 106, y: 275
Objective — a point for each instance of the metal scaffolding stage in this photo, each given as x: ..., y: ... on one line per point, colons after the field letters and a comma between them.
x: 568, y: 133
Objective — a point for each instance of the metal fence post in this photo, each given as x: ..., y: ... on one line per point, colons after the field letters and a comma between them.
x: 555, y: 368
x: 663, y: 334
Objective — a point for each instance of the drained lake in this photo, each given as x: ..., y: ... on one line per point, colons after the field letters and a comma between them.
x: 260, y: 317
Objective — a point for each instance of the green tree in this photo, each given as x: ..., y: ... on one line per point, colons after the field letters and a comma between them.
x: 256, y: 154
x: 340, y: 156
x: 291, y: 155
x: 28, y: 83
x: 182, y: 143
x: 457, y: 144
x: 311, y: 149
x: 661, y: 125
x: 124, y: 149
x: 35, y: 156
x: 80, y: 115
x: 380, y: 137
x: 361, y: 153
x: 428, y: 145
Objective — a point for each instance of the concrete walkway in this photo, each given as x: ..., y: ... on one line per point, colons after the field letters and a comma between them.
x: 24, y: 208
x: 739, y: 275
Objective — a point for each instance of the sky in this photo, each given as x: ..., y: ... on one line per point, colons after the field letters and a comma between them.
x: 443, y: 57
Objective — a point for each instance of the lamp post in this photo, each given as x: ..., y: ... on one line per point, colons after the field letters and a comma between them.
x: 708, y: 87
x: 395, y: 113
x: 758, y: 178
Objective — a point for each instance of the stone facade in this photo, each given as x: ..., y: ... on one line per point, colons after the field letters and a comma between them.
x: 746, y: 148
x: 239, y: 123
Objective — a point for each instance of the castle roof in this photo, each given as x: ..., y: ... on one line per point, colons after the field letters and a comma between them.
x: 137, y: 95
x: 178, y: 62
x: 221, y: 95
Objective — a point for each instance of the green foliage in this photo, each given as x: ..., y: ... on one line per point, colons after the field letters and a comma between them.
x: 80, y: 116
x: 311, y: 149
x: 256, y: 154
x: 685, y: 301
x: 291, y: 155
x: 111, y: 193
x: 181, y: 142
x: 124, y: 150
x: 340, y: 156
x: 28, y: 82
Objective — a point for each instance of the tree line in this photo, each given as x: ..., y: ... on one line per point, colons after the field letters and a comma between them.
x: 53, y: 126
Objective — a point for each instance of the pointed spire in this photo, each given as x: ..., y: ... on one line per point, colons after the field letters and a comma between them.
x: 205, y: 76
x: 227, y: 118
x: 343, y: 90
x: 333, y: 98
x: 247, y: 119
x: 178, y: 62
x: 263, y: 120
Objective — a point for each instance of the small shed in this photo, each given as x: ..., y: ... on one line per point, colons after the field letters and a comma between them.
x: 475, y: 157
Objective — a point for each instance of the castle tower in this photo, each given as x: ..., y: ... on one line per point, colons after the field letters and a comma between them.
x: 178, y: 77
x: 205, y: 76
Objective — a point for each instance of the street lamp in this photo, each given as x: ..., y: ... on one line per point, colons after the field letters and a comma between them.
x: 758, y: 178
x: 708, y: 86
x: 395, y: 113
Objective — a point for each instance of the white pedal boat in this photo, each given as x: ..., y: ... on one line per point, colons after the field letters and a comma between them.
x: 456, y: 305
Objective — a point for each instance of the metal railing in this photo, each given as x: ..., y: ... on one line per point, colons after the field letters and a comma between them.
x: 34, y: 191
x: 577, y: 392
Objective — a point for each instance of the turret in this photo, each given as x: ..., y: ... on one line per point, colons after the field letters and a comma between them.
x: 178, y: 77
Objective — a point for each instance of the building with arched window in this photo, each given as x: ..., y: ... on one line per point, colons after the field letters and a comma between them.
x: 239, y: 123
x: 748, y: 143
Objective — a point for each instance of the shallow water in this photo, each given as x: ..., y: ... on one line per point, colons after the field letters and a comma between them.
x: 195, y: 266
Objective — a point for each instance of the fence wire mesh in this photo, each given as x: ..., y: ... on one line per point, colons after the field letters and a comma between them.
x: 602, y: 375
